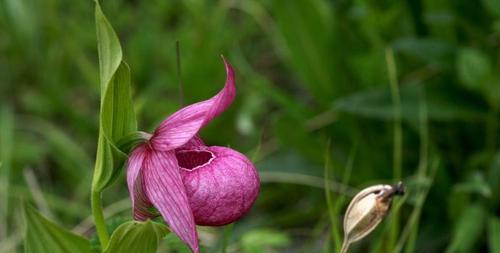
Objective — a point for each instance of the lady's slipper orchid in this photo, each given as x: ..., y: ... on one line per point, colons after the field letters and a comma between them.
x: 186, y: 181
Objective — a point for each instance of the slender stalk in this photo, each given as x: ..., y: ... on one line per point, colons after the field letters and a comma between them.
x: 396, y: 100
x: 6, y: 144
x: 179, y: 72
x: 410, y: 232
x: 337, y: 232
x: 398, y: 138
x: 100, y: 224
x: 411, y: 226
x: 328, y: 193
x: 226, y: 237
x: 345, y: 246
x: 424, y: 136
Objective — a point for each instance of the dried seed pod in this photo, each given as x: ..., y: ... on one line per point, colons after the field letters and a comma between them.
x: 366, y: 211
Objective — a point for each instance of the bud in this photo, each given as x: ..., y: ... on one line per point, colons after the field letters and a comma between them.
x: 366, y: 211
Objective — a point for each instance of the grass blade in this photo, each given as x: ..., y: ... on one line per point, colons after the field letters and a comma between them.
x: 398, y: 139
x: 6, y: 147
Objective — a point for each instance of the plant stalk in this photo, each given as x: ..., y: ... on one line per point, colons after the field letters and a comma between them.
x: 100, y: 224
x: 345, y: 246
x: 398, y: 138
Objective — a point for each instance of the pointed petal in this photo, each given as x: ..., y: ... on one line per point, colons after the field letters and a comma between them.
x: 166, y: 191
x: 181, y: 126
x: 140, y: 203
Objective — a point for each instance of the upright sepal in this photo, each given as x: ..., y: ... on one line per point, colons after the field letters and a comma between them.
x: 44, y: 236
x: 184, y: 124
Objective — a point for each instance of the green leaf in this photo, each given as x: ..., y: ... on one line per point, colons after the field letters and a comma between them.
x: 299, y: 138
x: 108, y: 45
x: 129, y: 141
x: 434, y: 51
x: 177, y: 245
x: 304, y: 34
x: 474, y: 68
x: 264, y: 240
x: 492, y: 6
x: 6, y: 160
x: 467, y: 229
x: 136, y: 237
x: 377, y: 104
x: 43, y: 236
x: 72, y: 159
x: 475, y: 183
x: 494, y: 234
x: 117, y: 117
x: 22, y: 16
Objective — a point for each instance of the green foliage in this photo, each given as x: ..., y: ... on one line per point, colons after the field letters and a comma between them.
x: 376, y: 104
x: 264, y: 240
x: 468, y: 229
x: 305, y: 35
x: 43, y: 236
x: 6, y: 147
x: 136, y: 237
x: 173, y: 243
x: 117, y: 117
x: 474, y: 68
x: 306, y: 72
x: 72, y: 160
x: 493, y: 6
x: 335, y: 203
x: 494, y: 234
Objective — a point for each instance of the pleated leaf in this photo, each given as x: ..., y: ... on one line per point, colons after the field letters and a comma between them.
x: 137, y: 237
x: 44, y: 236
x: 117, y: 118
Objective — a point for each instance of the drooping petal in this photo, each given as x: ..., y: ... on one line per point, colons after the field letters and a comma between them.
x: 135, y: 164
x: 181, y: 126
x: 166, y: 192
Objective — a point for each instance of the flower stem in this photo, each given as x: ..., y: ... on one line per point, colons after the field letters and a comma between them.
x: 98, y: 214
x: 345, y: 246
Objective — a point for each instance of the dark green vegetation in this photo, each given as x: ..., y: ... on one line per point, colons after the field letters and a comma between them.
x: 357, y: 92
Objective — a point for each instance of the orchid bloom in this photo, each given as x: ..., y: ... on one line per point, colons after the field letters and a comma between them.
x: 186, y: 181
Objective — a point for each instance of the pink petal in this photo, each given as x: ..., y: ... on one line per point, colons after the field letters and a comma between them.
x: 140, y: 202
x: 195, y: 142
x: 166, y: 191
x: 181, y: 126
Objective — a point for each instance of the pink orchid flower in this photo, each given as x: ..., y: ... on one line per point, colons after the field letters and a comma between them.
x: 186, y: 181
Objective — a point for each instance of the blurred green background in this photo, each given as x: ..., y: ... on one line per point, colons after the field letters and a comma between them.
x: 334, y: 95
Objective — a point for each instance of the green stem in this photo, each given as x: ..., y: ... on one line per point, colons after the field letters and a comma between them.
x: 396, y: 100
x: 226, y: 237
x: 398, y: 138
x: 100, y: 224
